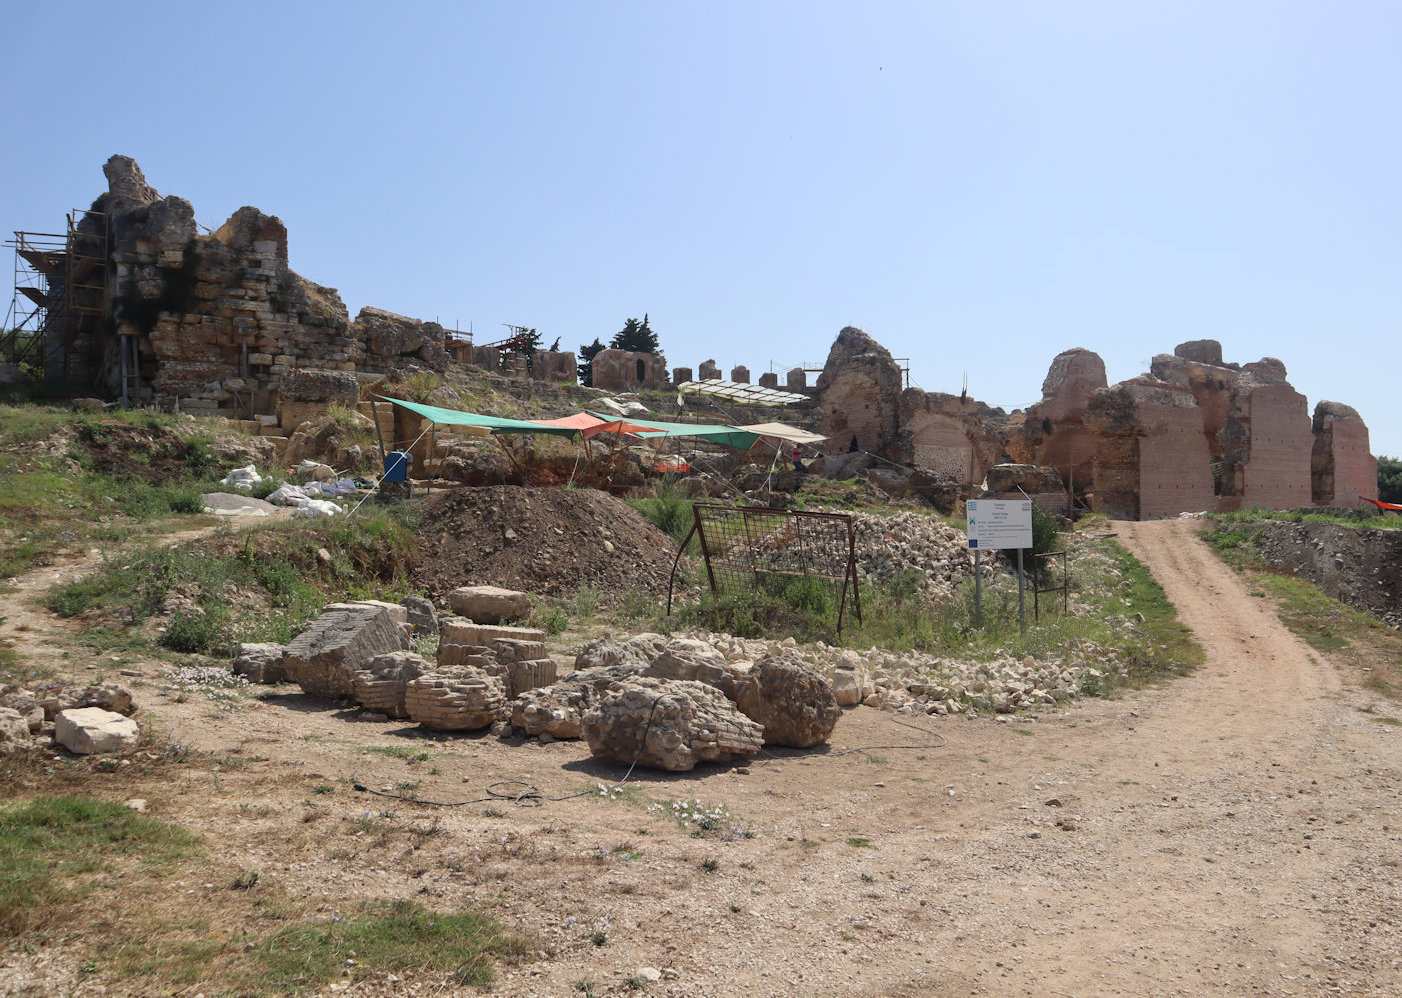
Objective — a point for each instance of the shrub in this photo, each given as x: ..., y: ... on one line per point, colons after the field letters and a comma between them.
x: 668, y: 509
x: 194, y: 632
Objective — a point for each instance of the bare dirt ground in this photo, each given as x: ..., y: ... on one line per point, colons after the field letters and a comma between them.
x: 1238, y: 832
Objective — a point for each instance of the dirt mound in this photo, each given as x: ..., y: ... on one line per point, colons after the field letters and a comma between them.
x: 549, y: 541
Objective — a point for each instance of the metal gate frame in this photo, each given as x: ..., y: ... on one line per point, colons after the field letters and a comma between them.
x: 1064, y: 588
x: 774, y: 542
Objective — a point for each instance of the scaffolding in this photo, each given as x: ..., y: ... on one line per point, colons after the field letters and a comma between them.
x: 60, y: 296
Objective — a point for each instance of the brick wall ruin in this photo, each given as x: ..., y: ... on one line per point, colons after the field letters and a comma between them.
x: 1052, y: 432
x: 1195, y: 433
x: 1342, y: 471
x: 945, y: 435
x: 1151, y: 459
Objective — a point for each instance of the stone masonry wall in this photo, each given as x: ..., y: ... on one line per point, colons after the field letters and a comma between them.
x: 1273, y: 471
x: 626, y: 371
x: 859, y: 392
x: 1342, y: 470
x: 1175, y: 474
x: 945, y: 435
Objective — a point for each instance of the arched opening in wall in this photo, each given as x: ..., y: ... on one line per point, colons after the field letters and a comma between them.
x: 642, y: 372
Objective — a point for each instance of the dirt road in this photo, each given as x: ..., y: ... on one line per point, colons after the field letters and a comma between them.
x: 1238, y: 832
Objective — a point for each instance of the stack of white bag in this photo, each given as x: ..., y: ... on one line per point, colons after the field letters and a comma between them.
x: 317, y: 507
x: 242, y: 479
x: 306, y: 498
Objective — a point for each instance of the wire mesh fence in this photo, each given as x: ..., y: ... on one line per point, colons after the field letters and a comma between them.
x: 746, y: 548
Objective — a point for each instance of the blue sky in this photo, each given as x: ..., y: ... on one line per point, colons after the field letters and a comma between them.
x: 979, y: 186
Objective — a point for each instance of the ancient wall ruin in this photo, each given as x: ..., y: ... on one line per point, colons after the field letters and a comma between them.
x: 1342, y: 470
x: 628, y: 371
x: 1052, y: 432
x: 945, y: 435
x: 1267, y: 447
x: 859, y: 392
x: 1151, y: 457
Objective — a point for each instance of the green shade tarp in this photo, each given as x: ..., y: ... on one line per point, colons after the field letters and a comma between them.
x: 492, y: 424
x: 719, y: 433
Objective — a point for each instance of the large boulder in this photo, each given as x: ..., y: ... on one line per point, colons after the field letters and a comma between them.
x: 324, y: 658
x: 669, y: 724
x: 380, y: 685
x: 688, y: 658
x: 457, y: 698
x: 558, y: 710
x: 260, y: 662
x: 606, y: 652
x: 88, y: 730
x: 419, y: 612
x: 791, y: 700
x: 489, y: 604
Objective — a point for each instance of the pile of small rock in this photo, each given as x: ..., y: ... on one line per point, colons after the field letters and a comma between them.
x: 919, y: 683
x: 891, y: 546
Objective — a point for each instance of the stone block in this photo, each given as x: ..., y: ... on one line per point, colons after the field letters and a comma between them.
x: 88, y: 730
x: 381, y: 686
x: 260, y: 663
x: 461, y: 698
x: 489, y: 604
x: 343, y: 640
x: 14, y: 730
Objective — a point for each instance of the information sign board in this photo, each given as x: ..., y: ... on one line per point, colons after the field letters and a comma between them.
x: 1000, y: 523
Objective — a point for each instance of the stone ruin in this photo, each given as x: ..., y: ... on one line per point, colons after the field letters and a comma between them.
x: 861, y: 397
x: 667, y: 704
x: 1195, y: 433
x: 628, y: 371
x: 215, y: 323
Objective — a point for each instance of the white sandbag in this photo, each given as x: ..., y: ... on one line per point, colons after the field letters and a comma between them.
x: 289, y: 495
x: 242, y: 479
x: 317, y: 507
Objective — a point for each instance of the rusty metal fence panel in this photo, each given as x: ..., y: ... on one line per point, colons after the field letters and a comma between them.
x: 743, y: 545
x: 1064, y: 589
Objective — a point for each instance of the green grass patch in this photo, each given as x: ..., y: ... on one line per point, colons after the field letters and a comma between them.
x: 386, y: 937
x: 372, y: 556
x: 1369, y: 518
x: 668, y: 509
x: 49, y: 846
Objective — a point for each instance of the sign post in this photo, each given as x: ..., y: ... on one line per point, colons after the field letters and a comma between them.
x: 998, y: 524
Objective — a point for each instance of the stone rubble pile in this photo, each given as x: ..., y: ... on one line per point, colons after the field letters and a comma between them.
x: 915, y: 682
x: 890, y: 546
x: 84, y: 720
